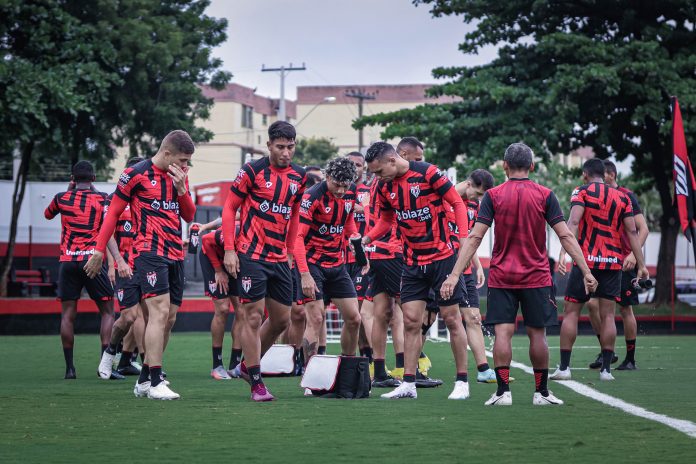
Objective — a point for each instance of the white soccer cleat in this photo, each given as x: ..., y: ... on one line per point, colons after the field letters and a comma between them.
x: 140, y: 390
x: 605, y: 376
x: 405, y: 390
x: 219, y: 373
x: 460, y: 392
x: 560, y: 375
x: 503, y: 400
x: 308, y: 392
x: 106, y: 365
x: 541, y: 400
x: 162, y: 392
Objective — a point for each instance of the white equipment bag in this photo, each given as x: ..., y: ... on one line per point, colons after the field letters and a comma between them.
x: 321, y: 373
x: 278, y: 360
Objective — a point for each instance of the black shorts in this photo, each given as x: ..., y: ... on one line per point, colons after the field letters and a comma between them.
x: 332, y: 282
x: 418, y: 281
x: 157, y: 275
x: 385, y: 276
x: 472, y: 293
x: 609, y: 286
x: 538, y: 306
x: 629, y: 295
x: 72, y: 279
x: 210, y: 287
x: 260, y: 279
x: 127, y: 292
x: 360, y: 281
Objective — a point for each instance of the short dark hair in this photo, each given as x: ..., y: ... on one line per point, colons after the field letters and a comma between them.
x: 593, y: 167
x: 609, y: 167
x: 133, y: 160
x: 378, y: 150
x: 178, y: 141
x: 312, y: 167
x: 482, y: 178
x: 409, y: 142
x: 312, y: 179
x: 83, y: 171
x: 356, y: 154
x: 281, y: 130
x: 519, y: 156
x: 341, y: 170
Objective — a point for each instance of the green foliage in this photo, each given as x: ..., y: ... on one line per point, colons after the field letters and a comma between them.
x: 315, y: 151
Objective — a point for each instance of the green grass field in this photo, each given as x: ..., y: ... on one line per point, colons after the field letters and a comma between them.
x: 44, y: 418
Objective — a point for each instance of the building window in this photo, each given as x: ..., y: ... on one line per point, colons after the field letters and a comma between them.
x: 247, y: 117
x: 264, y: 120
x: 259, y: 138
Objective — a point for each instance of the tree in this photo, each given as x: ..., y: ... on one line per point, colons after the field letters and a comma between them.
x: 79, y: 79
x: 315, y: 151
x: 567, y: 74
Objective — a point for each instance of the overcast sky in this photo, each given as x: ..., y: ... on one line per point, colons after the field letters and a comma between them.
x: 341, y: 42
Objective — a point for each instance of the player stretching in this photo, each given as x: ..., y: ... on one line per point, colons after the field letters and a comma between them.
x: 268, y: 191
x: 157, y: 191
x: 81, y: 209
x: 599, y: 215
x: 414, y: 192
x: 519, y: 273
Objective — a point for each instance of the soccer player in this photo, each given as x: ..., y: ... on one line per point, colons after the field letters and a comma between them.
x: 158, y: 194
x: 519, y: 272
x: 221, y: 287
x: 81, y: 209
x: 629, y: 295
x: 599, y: 215
x: 268, y: 191
x: 415, y: 193
x: 326, y: 218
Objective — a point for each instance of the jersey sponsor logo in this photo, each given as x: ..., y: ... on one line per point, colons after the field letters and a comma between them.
x: 602, y: 259
x: 127, y: 226
x: 155, y: 205
x: 330, y: 229
x: 212, y: 286
x: 305, y: 205
x: 275, y: 208
x: 327, y: 209
x: 420, y: 214
x: 152, y: 278
x: 119, y: 294
x: 269, y: 184
x: 79, y: 252
x: 246, y: 283
x: 240, y: 175
x: 360, y: 217
x: 153, y: 182
x: 415, y: 190
x: 392, y: 195
x: 471, y: 214
x: 165, y: 205
x: 123, y: 179
x: 293, y: 188
x: 348, y: 207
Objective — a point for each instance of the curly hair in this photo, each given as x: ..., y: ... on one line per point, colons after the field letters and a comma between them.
x: 377, y: 150
x: 341, y: 170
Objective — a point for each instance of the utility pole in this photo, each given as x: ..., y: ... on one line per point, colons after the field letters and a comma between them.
x: 361, y: 96
x: 284, y: 70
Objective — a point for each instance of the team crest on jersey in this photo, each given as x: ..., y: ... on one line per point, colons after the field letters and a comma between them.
x: 361, y: 197
x: 246, y: 283
x: 470, y: 213
x: 323, y: 229
x: 348, y: 207
x: 123, y: 179
x: 212, y: 286
x: 152, y: 278
x: 119, y: 294
x: 156, y: 205
x: 327, y: 209
x: 293, y: 188
x: 415, y: 190
x: 264, y: 207
x: 127, y: 226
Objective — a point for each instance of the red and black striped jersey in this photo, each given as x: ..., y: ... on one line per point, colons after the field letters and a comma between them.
x: 390, y: 245
x: 521, y: 209
x: 125, y: 230
x: 471, y: 213
x: 601, y: 226
x: 418, y: 199
x: 325, y: 221
x: 362, y: 190
x: 81, y: 216
x: 266, y: 196
x: 155, y: 209
x: 213, y: 246
x: 635, y: 205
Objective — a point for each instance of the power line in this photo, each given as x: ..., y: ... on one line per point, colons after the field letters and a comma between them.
x: 283, y: 70
x: 361, y: 95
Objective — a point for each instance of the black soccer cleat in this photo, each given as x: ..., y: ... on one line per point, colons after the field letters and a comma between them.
x: 116, y: 376
x: 597, y: 363
x: 423, y: 381
x: 388, y: 382
x: 70, y: 374
x: 128, y: 370
x: 627, y: 365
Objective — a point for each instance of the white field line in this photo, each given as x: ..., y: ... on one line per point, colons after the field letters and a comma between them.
x: 681, y: 425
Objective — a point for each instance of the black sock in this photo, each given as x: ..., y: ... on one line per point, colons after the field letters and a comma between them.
x: 142, y: 358
x: 367, y: 352
x: 111, y: 349
x: 104, y: 348
x: 217, y: 356
x: 606, y: 360
x: 422, y: 355
x: 235, y: 358
x: 631, y: 350
x: 409, y: 378
x: 462, y: 376
x: 502, y: 375
x: 125, y: 359
x: 255, y: 375
x: 144, y: 374
x: 483, y: 367
x: 155, y: 375
x: 565, y: 359
x: 380, y: 369
x: 399, y: 360
x: 297, y: 355
x: 541, y: 377
x: 598, y: 338
x: 321, y: 349
x: 68, y: 355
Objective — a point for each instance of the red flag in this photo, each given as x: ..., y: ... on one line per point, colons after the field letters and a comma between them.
x: 684, y: 182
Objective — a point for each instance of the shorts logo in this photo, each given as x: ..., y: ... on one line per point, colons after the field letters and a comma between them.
x: 269, y: 184
x: 264, y: 206
x: 119, y: 294
x: 212, y: 286
x: 327, y: 209
x: 415, y: 190
x: 246, y: 283
x: 127, y: 226
x: 156, y: 205
x: 152, y: 278
x: 348, y: 207
x: 293, y: 188
x: 153, y: 182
